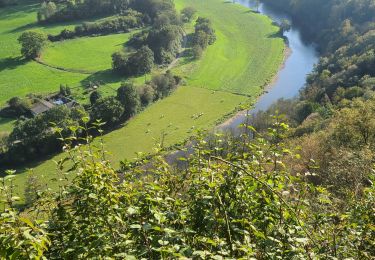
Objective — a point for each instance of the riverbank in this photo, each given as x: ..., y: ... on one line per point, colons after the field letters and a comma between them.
x: 300, y: 58
x: 243, y: 114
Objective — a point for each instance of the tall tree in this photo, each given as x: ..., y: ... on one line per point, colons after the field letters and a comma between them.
x: 32, y: 43
x: 128, y: 96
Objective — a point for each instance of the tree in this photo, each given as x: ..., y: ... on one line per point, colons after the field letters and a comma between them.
x: 47, y: 10
x: 136, y: 64
x: 146, y: 95
x: 188, y: 13
x: 32, y: 43
x: 164, y: 84
x: 285, y: 25
x: 119, y: 61
x: 128, y: 96
x: 107, y: 109
x: 94, y: 96
x: 165, y: 43
x: 143, y: 61
x: 196, y: 51
x: 19, y: 106
x: 65, y: 90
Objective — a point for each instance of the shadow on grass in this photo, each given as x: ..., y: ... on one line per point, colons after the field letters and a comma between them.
x: 102, y: 77
x: 25, y: 27
x: 11, y: 63
x: 251, y: 11
x: 28, y: 165
x: 18, y: 11
x: 277, y: 34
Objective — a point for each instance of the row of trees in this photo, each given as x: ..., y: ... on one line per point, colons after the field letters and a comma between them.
x: 131, y: 99
x: 129, y: 20
x: 204, y: 35
x: 60, y: 11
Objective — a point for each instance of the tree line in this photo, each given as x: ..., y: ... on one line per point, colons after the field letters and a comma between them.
x: 124, y: 23
x: 333, y: 115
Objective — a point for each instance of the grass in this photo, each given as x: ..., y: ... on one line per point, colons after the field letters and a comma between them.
x: 243, y: 60
x: 6, y: 125
x: 90, y: 54
x: 245, y: 56
x: 19, y: 77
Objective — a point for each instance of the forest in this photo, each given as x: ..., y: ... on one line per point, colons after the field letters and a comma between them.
x: 295, y: 182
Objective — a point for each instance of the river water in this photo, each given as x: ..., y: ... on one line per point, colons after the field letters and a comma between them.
x: 291, y: 77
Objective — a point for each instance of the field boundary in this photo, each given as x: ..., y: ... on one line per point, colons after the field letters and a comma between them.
x: 41, y: 62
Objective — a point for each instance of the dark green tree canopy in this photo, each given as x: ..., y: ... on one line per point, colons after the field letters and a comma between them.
x: 32, y: 43
x: 128, y: 96
x: 108, y: 110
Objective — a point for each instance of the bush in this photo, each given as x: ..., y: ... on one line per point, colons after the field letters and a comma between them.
x: 108, y: 110
x: 204, y: 35
x: 188, y: 13
x: 138, y: 63
x: 128, y: 96
x: 18, y: 107
x: 197, y: 51
x: 164, y: 84
x: 146, y: 94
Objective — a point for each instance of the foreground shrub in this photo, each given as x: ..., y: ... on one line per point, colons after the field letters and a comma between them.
x: 231, y: 198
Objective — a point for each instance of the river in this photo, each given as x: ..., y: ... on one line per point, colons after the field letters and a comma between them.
x: 291, y: 77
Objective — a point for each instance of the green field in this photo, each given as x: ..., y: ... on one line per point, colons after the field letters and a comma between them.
x: 89, y: 54
x: 246, y: 54
x: 243, y: 60
x: 17, y: 76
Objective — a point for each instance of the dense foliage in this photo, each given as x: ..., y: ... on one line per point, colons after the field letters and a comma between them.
x: 204, y: 35
x: 333, y: 114
x: 136, y: 64
x: 60, y: 11
x: 123, y: 23
x: 34, y: 137
x: 344, y: 31
x: 32, y: 43
x: 231, y: 198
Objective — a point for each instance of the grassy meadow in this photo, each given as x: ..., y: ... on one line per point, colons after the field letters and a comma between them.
x: 90, y: 54
x: 244, y: 58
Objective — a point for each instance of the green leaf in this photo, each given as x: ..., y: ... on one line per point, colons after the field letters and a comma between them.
x: 135, y: 226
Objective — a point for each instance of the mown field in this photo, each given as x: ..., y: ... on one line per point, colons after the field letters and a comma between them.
x: 90, y: 54
x: 247, y: 52
x: 243, y: 60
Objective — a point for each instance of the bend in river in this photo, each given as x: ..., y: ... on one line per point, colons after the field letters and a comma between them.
x: 291, y: 77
